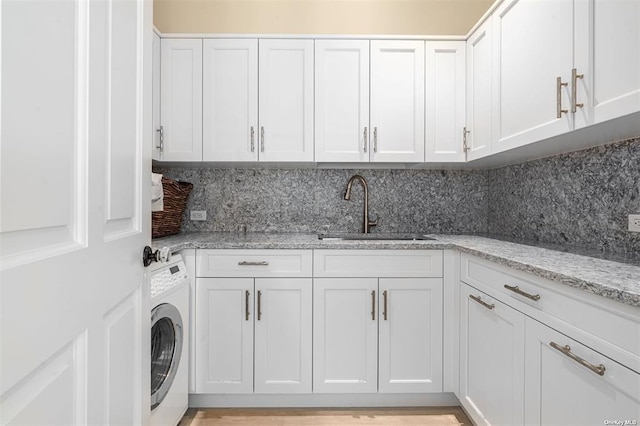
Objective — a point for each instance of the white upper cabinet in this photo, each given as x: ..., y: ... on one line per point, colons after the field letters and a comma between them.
x: 230, y: 100
x: 607, y: 57
x: 286, y: 100
x: 181, y: 99
x: 479, y: 65
x: 155, y: 97
x: 533, y: 46
x: 397, y: 101
x: 445, y: 100
x: 342, y: 101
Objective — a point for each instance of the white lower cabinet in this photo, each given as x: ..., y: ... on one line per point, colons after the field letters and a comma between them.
x: 373, y: 330
x: 232, y: 313
x: 253, y: 313
x: 568, y: 383
x: 538, y: 353
x: 377, y: 335
x: 491, y: 359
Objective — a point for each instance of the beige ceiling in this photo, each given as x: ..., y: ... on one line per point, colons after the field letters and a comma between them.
x: 383, y: 17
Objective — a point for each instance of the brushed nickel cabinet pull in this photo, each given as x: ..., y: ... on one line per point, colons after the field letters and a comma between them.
x: 253, y: 145
x: 559, y: 85
x: 373, y: 305
x: 465, y: 143
x: 517, y: 290
x: 574, y: 90
x: 246, y: 305
x: 160, y: 146
x: 384, y: 310
x: 566, y: 350
x: 261, y: 139
x: 245, y: 263
x: 486, y: 305
x: 259, y: 305
x: 375, y: 139
x: 364, y: 147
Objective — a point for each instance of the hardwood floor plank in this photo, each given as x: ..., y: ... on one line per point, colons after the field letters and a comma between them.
x: 422, y: 416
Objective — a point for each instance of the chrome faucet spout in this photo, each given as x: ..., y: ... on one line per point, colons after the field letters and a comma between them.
x: 366, y: 223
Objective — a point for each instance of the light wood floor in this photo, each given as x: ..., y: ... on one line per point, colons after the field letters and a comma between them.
x: 422, y: 416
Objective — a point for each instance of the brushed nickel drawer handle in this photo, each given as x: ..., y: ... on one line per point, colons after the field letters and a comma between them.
x: 566, y: 350
x: 253, y: 145
x: 517, y: 290
x: 485, y: 304
x: 246, y: 305
x: 245, y: 263
x: 259, y: 305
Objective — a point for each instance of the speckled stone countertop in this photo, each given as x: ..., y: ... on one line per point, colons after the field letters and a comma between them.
x: 613, y: 280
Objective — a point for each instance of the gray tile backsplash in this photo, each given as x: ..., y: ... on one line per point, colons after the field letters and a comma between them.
x: 311, y: 200
x: 581, y: 198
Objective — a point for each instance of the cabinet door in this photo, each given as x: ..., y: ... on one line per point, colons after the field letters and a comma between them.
x: 342, y: 100
x: 345, y: 333
x: 533, y: 45
x: 224, y: 335
x: 491, y: 359
x: 445, y: 100
x: 560, y: 390
x: 608, y: 56
x: 479, y: 83
x: 181, y: 99
x: 397, y: 101
x: 410, y: 354
x: 230, y: 100
x: 283, y: 335
x: 155, y: 97
x: 286, y: 100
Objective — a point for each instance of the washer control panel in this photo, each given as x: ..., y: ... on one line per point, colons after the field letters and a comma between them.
x: 168, y: 276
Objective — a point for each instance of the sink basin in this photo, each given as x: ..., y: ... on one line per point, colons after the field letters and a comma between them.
x: 374, y: 237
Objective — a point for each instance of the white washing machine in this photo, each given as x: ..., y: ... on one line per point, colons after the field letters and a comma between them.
x: 169, y: 341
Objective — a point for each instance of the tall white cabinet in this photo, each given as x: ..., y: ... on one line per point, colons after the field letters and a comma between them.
x: 230, y: 100
x: 533, y: 57
x: 445, y: 101
x: 181, y: 99
x: 286, y: 100
x: 397, y: 101
x: 477, y: 134
x: 342, y: 131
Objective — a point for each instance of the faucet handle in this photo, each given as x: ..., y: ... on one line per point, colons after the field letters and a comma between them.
x: 373, y: 222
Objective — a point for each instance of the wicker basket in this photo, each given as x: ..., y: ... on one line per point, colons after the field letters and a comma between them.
x: 168, y: 221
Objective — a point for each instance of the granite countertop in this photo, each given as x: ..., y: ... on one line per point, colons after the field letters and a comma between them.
x: 610, y: 279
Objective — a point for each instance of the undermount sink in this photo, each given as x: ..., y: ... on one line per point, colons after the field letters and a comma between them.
x: 375, y: 237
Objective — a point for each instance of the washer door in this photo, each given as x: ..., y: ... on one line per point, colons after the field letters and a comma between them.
x: 166, y: 347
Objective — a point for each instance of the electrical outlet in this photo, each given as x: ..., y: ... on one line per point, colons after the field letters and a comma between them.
x: 198, y: 215
x: 634, y: 223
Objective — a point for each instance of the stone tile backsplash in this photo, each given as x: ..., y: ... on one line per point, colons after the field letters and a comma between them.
x: 579, y: 199
x: 311, y: 200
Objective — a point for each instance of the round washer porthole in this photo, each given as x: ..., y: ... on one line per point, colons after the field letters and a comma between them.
x: 166, y: 347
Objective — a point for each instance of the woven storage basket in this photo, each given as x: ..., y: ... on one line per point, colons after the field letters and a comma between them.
x: 168, y: 221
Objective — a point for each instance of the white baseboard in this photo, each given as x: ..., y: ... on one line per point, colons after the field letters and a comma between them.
x: 323, y: 400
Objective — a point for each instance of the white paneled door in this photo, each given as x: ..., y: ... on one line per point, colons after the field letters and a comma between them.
x: 76, y: 146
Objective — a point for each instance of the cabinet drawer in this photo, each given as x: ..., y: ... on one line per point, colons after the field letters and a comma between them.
x: 253, y: 263
x: 604, y: 324
x: 377, y: 263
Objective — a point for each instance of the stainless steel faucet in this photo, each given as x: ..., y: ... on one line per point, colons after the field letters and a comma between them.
x: 366, y: 223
